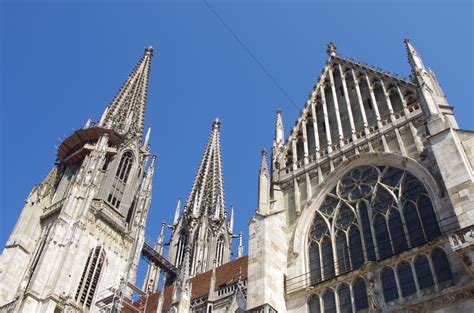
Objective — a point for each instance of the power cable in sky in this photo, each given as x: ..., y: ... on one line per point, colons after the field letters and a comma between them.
x: 250, y: 54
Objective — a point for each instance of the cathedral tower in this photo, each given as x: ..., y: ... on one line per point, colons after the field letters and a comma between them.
x: 82, y: 228
x: 202, y: 236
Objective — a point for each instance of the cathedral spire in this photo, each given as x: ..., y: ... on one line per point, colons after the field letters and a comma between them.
x: 126, y: 113
x: 207, y: 193
x: 279, y: 131
x: 413, y: 57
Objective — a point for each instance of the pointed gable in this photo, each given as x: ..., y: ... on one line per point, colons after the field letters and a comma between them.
x: 349, y: 101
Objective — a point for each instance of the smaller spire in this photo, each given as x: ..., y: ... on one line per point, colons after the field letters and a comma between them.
x: 240, y: 250
x: 331, y: 49
x: 161, y: 238
x: 149, y: 175
x: 231, y: 220
x: 147, y: 137
x: 102, y: 118
x: 263, y: 186
x: 279, y: 131
x: 264, y: 166
x: 413, y: 57
x: 177, y: 211
x: 88, y: 123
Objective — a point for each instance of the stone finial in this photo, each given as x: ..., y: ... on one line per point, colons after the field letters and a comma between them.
x: 216, y: 123
x: 264, y: 152
x: 149, y: 50
x: 331, y: 49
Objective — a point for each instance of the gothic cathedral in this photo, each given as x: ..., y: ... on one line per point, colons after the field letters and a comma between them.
x: 366, y: 206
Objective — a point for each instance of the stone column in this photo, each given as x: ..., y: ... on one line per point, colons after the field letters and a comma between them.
x: 295, y: 153
x: 326, y: 119
x: 336, y: 107
x: 305, y: 140
x: 315, y: 128
x: 374, y: 101
x: 404, y: 103
x: 387, y: 99
x: 348, y: 103
x: 361, y: 104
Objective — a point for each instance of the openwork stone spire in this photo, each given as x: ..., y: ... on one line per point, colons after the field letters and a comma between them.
x: 126, y: 113
x: 207, y: 193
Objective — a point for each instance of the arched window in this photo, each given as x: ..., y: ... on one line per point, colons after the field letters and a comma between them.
x: 355, y: 245
x: 220, y: 250
x: 383, y: 239
x: 120, y: 180
x: 314, y: 305
x: 423, y: 272
x: 405, y: 276
x: 342, y: 253
x: 90, y: 277
x: 344, y: 294
x: 314, y: 263
x: 367, y: 231
x: 413, y: 223
x: 441, y: 265
x: 372, y: 213
x: 389, y: 285
x: 360, y: 295
x: 430, y: 222
x: 329, y: 302
x: 328, y: 259
x: 397, y: 233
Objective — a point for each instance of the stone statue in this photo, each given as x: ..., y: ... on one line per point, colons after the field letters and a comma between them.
x: 372, y: 293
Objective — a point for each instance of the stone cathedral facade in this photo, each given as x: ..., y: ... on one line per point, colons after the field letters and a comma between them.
x: 368, y: 204
x: 80, y: 233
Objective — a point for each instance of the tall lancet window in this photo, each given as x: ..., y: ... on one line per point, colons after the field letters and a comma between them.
x: 120, y: 180
x: 372, y: 213
x: 90, y: 277
x: 220, y: 250
x: 181, y: 248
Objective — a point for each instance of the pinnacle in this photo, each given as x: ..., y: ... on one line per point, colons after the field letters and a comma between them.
x: 331, y: 49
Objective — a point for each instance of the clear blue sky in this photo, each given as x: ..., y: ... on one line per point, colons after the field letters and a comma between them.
x: 61, y: 63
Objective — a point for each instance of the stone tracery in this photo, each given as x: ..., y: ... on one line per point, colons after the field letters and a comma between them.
x: 372, y: 213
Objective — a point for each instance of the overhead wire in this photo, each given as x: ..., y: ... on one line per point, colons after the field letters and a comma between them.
x: 250, y: 53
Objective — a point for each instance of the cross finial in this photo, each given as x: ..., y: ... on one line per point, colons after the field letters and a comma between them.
x: 331, y: 50
x: 149, y: 50
x: 216, y: 123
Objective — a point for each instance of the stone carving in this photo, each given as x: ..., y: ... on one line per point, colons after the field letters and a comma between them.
x: 372, y: 293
